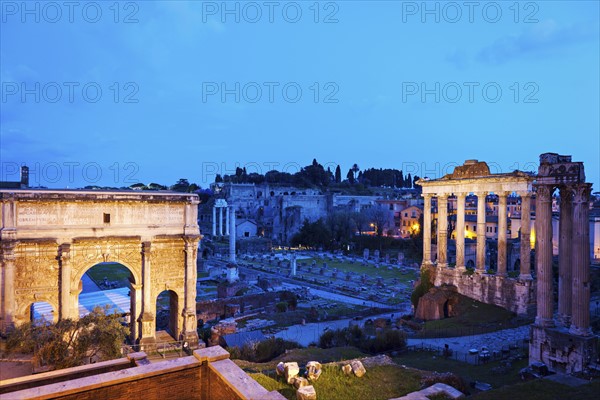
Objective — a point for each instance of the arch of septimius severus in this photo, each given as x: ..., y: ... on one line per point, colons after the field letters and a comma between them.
x: 50, y: 238
x: 562, y: 339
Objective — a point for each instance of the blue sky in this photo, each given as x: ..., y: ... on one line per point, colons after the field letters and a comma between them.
x: 193, y: 88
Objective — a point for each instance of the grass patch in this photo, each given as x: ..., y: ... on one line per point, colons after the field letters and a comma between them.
x: 113, y: 272
x: 541, y: 389
x: 429, y: 362
x: 381, y: 382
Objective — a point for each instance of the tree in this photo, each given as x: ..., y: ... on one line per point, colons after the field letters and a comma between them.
x: 409, y: 181
x: 313, y: 234
x: 218, y: 178
x: 355, y: 168
x: 338, y: 174
x: 350, y: 176
x: 382, y: 218
x: 70, y: 343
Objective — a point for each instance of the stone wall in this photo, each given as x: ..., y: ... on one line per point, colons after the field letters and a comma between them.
x: 207, y: 374
x: 513, y: 294
x: 211, y: 309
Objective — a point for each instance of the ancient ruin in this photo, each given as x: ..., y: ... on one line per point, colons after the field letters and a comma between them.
x: 474, y: 177
x: 563, y: 341
x: 50, y: 238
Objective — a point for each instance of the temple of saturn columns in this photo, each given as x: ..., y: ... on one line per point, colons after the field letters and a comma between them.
x: 474, y: 178
x: 561, y: 338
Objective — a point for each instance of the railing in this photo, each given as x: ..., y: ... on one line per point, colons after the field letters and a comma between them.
x: 510, y: 352
x: 172, y: 349
x: 439, y: 333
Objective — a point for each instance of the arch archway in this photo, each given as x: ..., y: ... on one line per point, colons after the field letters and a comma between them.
x: 167, y: 313
x: 41, y: 311
x: 111, y: 284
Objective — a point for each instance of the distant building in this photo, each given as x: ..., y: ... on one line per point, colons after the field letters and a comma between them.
x: 409, y: 221
x: 246, y: 228
x: 22, y: 184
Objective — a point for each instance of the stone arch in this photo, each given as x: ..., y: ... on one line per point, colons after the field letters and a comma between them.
x: 24, y: 309
x: 175, y: 308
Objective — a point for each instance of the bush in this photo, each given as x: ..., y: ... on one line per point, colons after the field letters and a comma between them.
x: 387, y: 340
x: 281, y: 307
x: 422, y: 288
x: 262, y: 351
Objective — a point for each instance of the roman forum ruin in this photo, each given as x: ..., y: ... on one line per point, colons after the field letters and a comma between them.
x: 50, y: 238
x: 562, y: 340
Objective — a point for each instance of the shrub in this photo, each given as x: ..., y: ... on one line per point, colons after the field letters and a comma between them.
x: 422, y: 288
x: 262, y: 351
x: 386, y: 340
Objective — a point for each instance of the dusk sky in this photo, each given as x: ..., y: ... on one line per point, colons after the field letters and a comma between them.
x: 113, y: 93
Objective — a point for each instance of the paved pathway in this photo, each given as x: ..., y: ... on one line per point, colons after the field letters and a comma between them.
x: 494, y: 341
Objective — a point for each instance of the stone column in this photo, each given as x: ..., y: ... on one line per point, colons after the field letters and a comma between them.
x: 135, y: 309
x: 147, y: 318
x: 502, y: 228
x: 65, y: 281
x: 525, y: 270
x: 580, y: 323
x: 191, y: 277
x: 227, y: 212
x: 460, y: 230
x: 543, y: 249
x: 442, y: 230
x: 220, y: 221
x: 480, y: 257
x: 427, y: 229
x: 214, y: 222
x: 565, y: 279
x: 293, y: 264
x: 9, y: 258
x: 232, y: 235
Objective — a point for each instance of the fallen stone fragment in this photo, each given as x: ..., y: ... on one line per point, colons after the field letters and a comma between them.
x: 306, y: 393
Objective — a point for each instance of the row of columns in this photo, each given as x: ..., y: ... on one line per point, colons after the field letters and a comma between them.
x: 442, y: 231
x: 229, y: 211
x: 574, y: 258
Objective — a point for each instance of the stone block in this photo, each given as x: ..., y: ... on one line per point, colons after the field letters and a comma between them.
x: 347, y: 369
x: 291, y: 370
x: 279, y: 369
x: 300, y: 382
x: 313, y: 370
x: 358, y: 368
x: 306, y: 393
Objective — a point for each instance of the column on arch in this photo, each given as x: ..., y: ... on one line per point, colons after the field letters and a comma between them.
x: 65, y: 281
x: 460, y: 230
x: 565, y: 258
x: 189, y: 332
x: 543, y: 250
x: 480, y: 257
x: 427, y: 228
x: 502, y: 228
x: 227, y: 212
x: 442, y: 230
x: 525, y: 269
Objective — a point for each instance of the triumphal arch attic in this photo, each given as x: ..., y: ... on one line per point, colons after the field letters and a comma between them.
x: 50, y: 238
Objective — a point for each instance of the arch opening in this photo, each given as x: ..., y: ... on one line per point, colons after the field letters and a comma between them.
x: 108, y: 285
x: 42, y: 313
x: 167, y: 306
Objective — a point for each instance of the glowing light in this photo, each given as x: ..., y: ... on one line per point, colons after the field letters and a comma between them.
x: 532, y: 239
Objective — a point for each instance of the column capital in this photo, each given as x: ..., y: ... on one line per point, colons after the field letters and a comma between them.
x: 503, y: 193
x: 524, y: 194
x: 146, y: 247
x: 427, y: 195
x: 443, y: 195
x: 581, y: 192
x: 479, y: 194
x: 544, y: 192
x: 462, y: 195
x: 191, y: 240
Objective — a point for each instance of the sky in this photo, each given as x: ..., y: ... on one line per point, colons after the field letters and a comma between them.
x: 114, y: 93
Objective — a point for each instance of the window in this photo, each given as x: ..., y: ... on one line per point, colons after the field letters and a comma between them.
x: 106, y: 218
x: 406, y: 214
x: 391, y: 207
